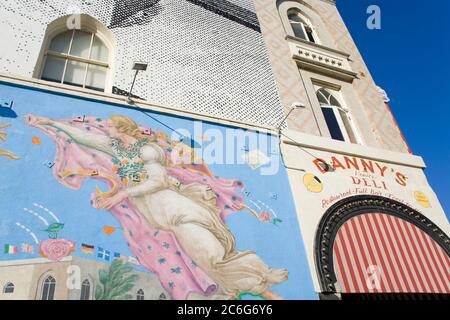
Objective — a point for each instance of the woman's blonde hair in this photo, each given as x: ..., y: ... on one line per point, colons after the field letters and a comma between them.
x: 125, y: 125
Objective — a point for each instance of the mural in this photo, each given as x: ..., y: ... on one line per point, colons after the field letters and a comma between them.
x: 3, y: 135
x: 116, y: 282
x: 97, y: 178
x: 6, y: 112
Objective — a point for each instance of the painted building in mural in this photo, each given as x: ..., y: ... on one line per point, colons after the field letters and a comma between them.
x: 38, y: 278
x: 175, y: 184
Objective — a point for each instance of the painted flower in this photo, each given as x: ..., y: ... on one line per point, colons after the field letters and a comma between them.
x: 176, y: 270
x: 264, y: 216
x: 166, y: 245
x: 56, y: 249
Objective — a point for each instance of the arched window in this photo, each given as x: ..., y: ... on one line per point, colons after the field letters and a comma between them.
x: 336, y: 117
x: 162, y: 296
x: 300, y: 27
x: 85, y: 290
x: 48, y: 288
x: 9, y: 288
x: 140, y: 294
x: 77, y: 58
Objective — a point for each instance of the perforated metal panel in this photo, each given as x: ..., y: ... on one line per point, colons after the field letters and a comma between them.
x: 203, y: 58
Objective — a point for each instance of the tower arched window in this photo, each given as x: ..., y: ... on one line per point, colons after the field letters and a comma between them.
x: 336, y: 116
x: 8, y: 288
x: 48, y: 288
x: 140, y: 295
x: 301, y: 28
x: 85, y: 290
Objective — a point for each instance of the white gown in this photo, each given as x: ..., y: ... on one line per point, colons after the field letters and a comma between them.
x: 189, y: 211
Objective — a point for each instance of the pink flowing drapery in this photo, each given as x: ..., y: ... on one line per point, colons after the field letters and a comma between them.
x: 157, y: 250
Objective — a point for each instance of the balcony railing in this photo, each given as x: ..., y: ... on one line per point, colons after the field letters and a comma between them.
x: 321, y: 59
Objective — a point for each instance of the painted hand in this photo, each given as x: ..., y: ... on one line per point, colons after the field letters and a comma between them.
x: 36, y: 121
x: 114, y: 200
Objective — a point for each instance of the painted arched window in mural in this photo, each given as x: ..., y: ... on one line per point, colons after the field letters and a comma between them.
x: 375, y: 245
x: 140, y: 295
x: 48, y: 288
x: 85, y: 290
x: 162, y: 296
x: 9, y: 288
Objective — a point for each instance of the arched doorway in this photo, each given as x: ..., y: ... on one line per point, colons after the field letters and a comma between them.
x: 377, y: 248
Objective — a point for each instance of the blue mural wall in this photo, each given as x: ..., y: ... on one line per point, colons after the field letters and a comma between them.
x: 50, y: 208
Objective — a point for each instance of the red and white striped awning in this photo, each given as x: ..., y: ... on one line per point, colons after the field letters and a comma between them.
x: 382, y: 253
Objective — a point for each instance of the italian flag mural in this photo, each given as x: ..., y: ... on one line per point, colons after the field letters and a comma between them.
x: 9, y: 249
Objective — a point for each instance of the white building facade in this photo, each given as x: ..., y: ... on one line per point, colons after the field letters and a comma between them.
x: 367, y: 213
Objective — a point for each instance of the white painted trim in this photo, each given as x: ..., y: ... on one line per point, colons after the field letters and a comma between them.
x: 21, y: 262
x: 76, y: 58
x: 333, y: 146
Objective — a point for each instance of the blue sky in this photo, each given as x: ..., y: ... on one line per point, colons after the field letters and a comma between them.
x: 409, y: 58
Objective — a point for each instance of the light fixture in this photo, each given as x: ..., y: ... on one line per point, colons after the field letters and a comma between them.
x: 295, y: 105
x: 137, y: 66
x: 140, y: 66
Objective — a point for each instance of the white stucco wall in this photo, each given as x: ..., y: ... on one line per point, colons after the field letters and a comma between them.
x: 198, y: 60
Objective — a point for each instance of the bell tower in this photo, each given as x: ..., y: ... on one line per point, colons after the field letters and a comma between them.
x: 355, y: 220
x: 315, y: 60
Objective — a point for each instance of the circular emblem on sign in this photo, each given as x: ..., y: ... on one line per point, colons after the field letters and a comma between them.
x: 312, y: 183
x: 422, y: 199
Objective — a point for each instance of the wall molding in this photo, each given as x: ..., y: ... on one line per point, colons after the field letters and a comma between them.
x: 298, y: 139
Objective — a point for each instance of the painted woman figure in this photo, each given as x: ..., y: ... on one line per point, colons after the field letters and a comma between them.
x: 188, y: 211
